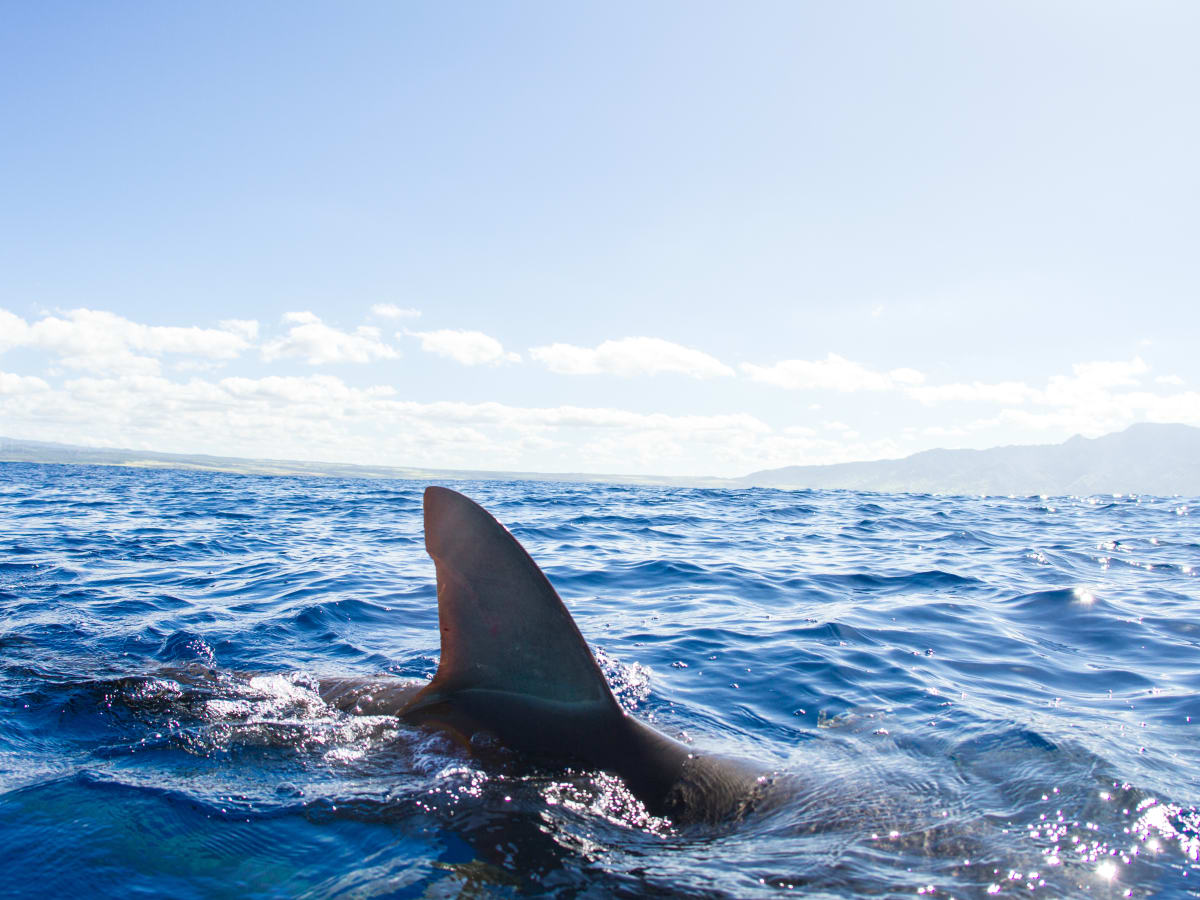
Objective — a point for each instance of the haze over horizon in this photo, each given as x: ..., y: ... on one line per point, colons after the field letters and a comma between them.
x: 674, y: 240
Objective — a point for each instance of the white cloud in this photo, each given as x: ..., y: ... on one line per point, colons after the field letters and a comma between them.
x: 471, y: 348
x: 1003, y: 392
x: 1104, y: 412
x: 628, y: 357
x: 833, y: 373
x: 317, y: 343
x: 13, y: 330
x: 102, y: 341
x: 311, y: 391
x: 1169, y: 379
x: 247, y: 328
x: 906, y: 376
x: 392, y: 311
x: 1107, y: 374
x: 21, y: 384
x: 944, y: 431
x: 1091, y: 383
x: 1093, y: 400
x: 302, y: 318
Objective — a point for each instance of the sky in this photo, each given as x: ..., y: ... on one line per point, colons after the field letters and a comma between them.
x: 674, y: 238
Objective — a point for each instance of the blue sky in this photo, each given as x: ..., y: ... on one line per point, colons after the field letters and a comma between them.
x: 675, y: 238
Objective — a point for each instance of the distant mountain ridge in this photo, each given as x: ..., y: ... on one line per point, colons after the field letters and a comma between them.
x: 1143, y: 459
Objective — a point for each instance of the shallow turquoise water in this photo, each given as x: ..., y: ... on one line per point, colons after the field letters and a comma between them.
x: 970, y: 696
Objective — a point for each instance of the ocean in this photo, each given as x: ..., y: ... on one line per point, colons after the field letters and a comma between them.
x: 967, y: 696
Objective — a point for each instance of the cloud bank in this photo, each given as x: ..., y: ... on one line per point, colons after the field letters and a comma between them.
x: 95, y: 377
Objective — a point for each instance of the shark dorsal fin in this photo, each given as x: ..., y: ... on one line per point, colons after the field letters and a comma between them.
x: 503, y: 626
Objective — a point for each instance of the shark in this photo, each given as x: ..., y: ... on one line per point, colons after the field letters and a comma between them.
x: 514, y: 666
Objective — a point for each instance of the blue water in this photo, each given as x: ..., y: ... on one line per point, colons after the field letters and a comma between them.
x: 968, y: 696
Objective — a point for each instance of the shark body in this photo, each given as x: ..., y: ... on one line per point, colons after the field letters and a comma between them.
x: 514, y: 665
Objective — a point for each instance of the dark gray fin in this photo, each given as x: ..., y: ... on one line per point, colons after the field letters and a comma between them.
x: 503, y: 627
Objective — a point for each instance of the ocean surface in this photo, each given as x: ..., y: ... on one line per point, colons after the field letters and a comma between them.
x: 968, y: 696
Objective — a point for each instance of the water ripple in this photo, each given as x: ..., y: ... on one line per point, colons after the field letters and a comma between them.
x: 966, y: 696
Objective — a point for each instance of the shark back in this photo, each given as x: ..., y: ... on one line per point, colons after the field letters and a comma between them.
x: 503, y: 627
x: 514, y: 664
